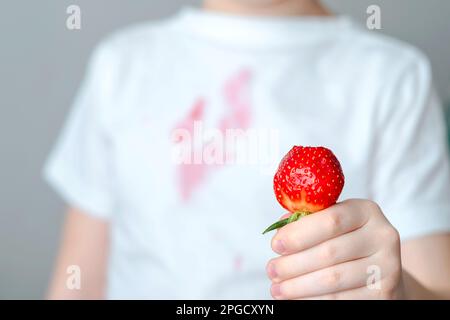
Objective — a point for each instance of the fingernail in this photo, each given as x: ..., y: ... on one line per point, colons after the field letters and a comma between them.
x: 276, y: 290
x: 279, y: 246
x: 271, y: 271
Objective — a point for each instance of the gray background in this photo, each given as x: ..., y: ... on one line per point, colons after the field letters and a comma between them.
x: 41, y: 64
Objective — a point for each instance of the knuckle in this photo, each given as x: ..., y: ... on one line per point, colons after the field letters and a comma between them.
x: 372, y: 206
x: 328, y: 252
x: 390, y: 234
x: 395, y: 235
x: 331, y: 279
x: 334, y: 222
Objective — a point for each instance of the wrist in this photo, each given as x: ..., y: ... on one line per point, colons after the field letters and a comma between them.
x: 411, y: 289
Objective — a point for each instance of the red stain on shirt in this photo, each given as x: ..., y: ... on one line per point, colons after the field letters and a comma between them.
x: 195, y: 114
x: 190, y: 177
x: 238, y: 101
x: 237, y: 115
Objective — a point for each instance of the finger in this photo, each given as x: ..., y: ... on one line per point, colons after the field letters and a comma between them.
x: 341, y: 277
x: 363, y: 293
x: 350, y: 246
x: 319, y: 227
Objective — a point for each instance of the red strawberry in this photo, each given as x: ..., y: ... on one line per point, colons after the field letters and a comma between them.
x: 308, y: 179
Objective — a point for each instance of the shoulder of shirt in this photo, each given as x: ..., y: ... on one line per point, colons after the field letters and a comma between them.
x: 115, y: 58
x: 389, y: 52
x: 131, y: 41
x: 396, y: 62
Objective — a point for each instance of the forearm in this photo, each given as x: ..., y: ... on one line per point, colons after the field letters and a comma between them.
x: 81, y: 266
x: 414, y: 290
x: 426, y: 267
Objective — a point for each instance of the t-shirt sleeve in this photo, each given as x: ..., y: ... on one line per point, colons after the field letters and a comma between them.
x: 411, y: 179
x: 79, y: 167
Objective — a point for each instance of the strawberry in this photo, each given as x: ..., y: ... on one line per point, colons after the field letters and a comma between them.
x: 308, y: 179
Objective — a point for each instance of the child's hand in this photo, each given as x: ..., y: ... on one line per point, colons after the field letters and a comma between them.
x: 332, y: 254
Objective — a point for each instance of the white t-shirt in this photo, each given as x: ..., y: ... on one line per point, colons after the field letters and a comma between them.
x: 193, y: 230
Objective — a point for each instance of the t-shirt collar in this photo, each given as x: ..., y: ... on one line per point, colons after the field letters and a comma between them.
x: 257, y: 30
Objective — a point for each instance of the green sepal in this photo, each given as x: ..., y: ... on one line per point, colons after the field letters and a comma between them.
x: 293, y: 217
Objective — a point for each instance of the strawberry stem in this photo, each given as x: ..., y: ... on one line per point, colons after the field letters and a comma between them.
x: 293, y: 217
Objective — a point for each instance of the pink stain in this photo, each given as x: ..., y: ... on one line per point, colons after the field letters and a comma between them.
x: 237, y: 263
x: 190, y: 177
x: 237, y: 97
x: 237, y: 116
x: 195, y: 114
